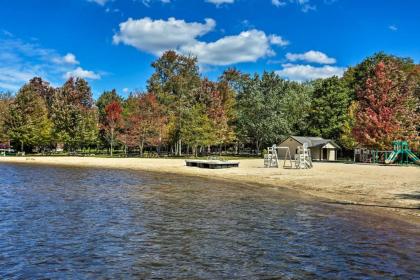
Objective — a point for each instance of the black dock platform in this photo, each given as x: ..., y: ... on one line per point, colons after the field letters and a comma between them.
x: 211, y: 164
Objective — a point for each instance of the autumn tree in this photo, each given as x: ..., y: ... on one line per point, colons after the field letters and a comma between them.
x: 6, y: 100
x: 74, y: 117
x: 219, y: 101
x: 175, y: 81
x: 416, y: 75
x: 106, y: 98
x: 145, y: 122
x: 385, y: 107
x: 356, y: 77
x: 43, y: 89
x: 112, y: 121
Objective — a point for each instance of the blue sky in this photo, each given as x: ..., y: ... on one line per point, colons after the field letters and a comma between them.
x: 112, y: 43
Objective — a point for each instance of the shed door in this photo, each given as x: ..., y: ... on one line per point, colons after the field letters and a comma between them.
x: 325, y: 154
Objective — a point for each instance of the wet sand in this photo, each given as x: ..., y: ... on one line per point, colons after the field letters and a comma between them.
x: 384, y: 189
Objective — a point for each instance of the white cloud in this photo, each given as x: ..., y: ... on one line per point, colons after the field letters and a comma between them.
x: 298, y: 72
x: 67, y: 59
x: 248, y: 46
x: 311, y: 57
x: 393, y: 28
x: 147, y: 2
x: 99, y: 2
x: 11, y: 78
x: 220, y: 2
x: 20, y: 61
x: 79, y: 72
x: 70, y: 59
x: 157, y: 36
x: 278, y: 3
x: 278, y: 40
x: 304, y: 5
x: 126, y: 90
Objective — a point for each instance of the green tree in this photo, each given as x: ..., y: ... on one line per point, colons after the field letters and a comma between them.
x: 295, y: 106
x: 198, y: 130
x: 27, y: 123
x: 261, y: 119
x: 175, y: 82
x: 347, y: 139
x: 43, y: 89
x: 6, y: 99
x: 328, y: 113
x: 74, y: 117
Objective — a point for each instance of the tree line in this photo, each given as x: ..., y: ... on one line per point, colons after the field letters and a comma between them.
x: 374, y: 103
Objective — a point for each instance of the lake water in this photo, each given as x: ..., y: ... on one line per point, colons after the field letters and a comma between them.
x: 76, y: 223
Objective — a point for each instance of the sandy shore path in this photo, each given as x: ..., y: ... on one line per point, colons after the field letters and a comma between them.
x: 391, y: 188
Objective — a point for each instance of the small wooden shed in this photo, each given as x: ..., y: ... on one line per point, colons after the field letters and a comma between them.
x: 321, y: 149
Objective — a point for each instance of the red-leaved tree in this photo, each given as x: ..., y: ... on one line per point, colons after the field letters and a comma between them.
x: 385, y: 107
x: 145, y: 123
x: 113, y: 120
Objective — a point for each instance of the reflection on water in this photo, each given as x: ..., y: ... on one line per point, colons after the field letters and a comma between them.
x: 80, y: 223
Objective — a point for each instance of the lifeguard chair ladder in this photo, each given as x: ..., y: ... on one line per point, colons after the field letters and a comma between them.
x: 271, y: 159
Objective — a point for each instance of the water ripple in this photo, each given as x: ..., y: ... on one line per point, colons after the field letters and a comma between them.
x: 78, y: 223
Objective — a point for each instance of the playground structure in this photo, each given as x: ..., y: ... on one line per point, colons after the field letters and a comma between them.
x: 401, y: 154
x: 302, y: 159
x: 370, y: 156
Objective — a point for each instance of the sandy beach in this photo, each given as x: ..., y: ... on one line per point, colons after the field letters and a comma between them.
x: 381, y: 188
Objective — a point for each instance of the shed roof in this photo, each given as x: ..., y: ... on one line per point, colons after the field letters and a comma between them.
x: 315, y: 141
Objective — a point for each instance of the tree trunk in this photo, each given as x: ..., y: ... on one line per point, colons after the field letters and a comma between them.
x: 257, y: 145
x: 141, y: 147
x: 179, y: 147
x: 112, y: 141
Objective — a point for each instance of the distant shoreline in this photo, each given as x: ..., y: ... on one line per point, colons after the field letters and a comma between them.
x: 384, y: 190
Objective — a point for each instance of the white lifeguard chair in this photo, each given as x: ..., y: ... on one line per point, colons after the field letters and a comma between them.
x: 271, y: 159
x: 303, y: 159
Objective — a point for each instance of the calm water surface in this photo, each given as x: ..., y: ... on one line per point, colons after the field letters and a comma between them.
x: 75, y: 223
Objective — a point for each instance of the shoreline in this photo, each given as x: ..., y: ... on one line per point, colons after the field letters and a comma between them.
x: 383, y: 190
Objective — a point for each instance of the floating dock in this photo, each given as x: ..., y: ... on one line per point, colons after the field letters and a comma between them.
x: 211, y: 164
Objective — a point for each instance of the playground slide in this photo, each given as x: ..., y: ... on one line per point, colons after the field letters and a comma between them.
x: 392, y: 157
x: 413, y: 157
